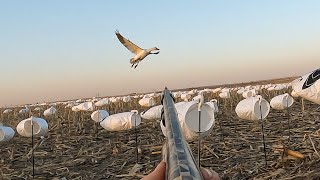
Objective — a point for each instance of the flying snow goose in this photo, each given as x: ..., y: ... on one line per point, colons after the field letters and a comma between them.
x: 140, y: 54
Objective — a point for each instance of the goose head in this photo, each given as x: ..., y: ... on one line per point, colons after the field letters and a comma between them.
x: 153, y: 49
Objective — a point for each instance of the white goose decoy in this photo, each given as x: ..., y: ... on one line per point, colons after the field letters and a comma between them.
x: 140, y: 54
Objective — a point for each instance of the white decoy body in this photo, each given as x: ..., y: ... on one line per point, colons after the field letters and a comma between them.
x: 140, y: 53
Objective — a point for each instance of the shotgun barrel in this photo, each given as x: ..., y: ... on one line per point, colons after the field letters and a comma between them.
x: 180, y: 163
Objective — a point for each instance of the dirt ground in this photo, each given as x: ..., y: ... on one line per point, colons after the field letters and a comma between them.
x: 77, y: 148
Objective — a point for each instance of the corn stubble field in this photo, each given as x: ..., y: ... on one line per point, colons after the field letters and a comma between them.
x: 77, y: 148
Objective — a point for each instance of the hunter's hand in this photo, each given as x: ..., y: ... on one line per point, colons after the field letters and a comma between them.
x: 160, y: 171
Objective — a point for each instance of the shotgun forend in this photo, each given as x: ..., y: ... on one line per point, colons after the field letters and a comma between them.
x: 176, y: 151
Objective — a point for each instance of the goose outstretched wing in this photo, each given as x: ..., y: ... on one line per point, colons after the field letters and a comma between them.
x: 128, y: 44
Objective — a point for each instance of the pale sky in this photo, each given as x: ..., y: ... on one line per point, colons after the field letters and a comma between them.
x: 59, y: 50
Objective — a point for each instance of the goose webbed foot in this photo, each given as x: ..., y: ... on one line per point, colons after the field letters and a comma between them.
x: 136, y: 66
x: 132, y: 65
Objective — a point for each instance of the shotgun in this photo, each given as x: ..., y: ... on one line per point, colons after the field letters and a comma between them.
x: 180, y: 163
